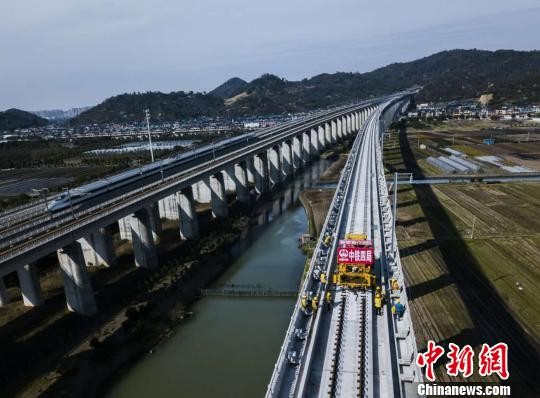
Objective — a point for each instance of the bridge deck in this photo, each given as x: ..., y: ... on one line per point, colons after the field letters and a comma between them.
x: 348, y: 350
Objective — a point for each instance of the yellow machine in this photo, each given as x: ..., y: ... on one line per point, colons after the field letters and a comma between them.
x: 355, y: 262
x: 355, y: 236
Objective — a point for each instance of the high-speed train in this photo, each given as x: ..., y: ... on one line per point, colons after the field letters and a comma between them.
x: 95, y: 188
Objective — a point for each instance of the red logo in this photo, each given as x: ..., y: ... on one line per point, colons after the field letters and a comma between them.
x: 490, y: 360
x: 428, y: 359
x: 355, y: 255
x: 494, y: 360
x: 461, y: 360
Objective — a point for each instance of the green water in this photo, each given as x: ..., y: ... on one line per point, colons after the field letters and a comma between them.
x: 229, y: 347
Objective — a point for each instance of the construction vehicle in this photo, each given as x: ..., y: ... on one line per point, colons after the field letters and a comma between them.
x: 355, y: 236
x: 355, y: 262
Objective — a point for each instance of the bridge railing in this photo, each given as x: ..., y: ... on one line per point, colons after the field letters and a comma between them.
x: 403, y: 331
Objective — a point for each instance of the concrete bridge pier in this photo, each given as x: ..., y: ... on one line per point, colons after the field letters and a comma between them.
x: 241, y: 182
x: 274, y: 158
x: 98, y: 248
x: 286, y: 159
x: 339, y: 130
x: 168, y: 208
x: 124, y: 225
x: 260, y: 161
x: 250, y: 167
x: 327, y: 133
x: 219, y: 198
x: 155, y: 222
x: 201, y: 192
x: 79, y: 293
x: 30, y: 287
x: 4, y: 296
x: 334, y: 132
x: 189, y: 225
x: 144, y: 249
x: 229, y: 181
x: 306, y: 149
x: 314, y: 141
x: 297, y: 153
x: 321, y: 137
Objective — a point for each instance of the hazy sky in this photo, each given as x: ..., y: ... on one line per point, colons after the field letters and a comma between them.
x: 68, y: 53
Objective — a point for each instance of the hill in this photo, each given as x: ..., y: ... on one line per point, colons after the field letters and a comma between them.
x: 230, y: 88
x: 164, y: 107
x: 511, y: 76
x: 15, y: 118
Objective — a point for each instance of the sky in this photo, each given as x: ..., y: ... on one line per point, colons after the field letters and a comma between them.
x: 59, y: 54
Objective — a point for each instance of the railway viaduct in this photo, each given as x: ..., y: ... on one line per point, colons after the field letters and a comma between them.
x: 82, y: 237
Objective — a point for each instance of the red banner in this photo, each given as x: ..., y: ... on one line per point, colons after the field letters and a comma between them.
x: 355, y: 255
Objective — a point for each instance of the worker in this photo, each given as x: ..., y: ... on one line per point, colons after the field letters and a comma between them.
x: 315, y: 303
x: 327, y: 239
x: 323, y: 277
x: 303, y: 302
x: 398, y: 309
x: 328, y: 300
x: 378, y: 300
x: 394, y: 285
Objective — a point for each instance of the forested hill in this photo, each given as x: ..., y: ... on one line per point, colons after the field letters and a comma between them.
x: 15, y: 118
x: 511, y: 76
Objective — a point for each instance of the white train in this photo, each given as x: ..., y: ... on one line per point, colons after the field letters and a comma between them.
x: 95, y: 188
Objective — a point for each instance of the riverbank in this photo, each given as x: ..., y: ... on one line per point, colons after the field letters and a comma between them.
x: 316, y: 202
x: 157, y: 307
x: 333, y: 173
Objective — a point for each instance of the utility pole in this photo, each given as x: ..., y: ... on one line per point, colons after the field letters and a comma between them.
x: 70, y: 202
x: 147, y: 114
x: 472, y: 229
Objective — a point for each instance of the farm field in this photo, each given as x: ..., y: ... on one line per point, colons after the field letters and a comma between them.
x: 515, y: 144
x: 16, y: 184
x: 471, y: 287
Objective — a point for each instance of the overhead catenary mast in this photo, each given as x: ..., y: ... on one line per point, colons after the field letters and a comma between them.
x: 147, y: 113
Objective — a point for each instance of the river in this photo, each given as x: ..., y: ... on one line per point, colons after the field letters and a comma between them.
x: 229, y: 347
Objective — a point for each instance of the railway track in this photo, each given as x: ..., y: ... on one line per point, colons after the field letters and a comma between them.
x: 348, y: 351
